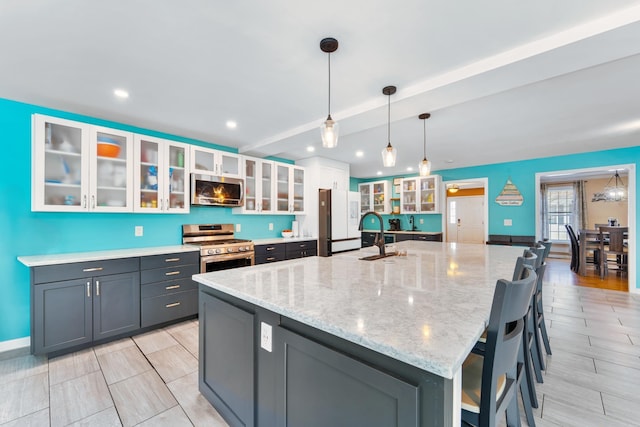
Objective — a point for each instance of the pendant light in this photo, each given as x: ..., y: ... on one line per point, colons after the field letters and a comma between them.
x: 425, y: 165
x: 617, y: 191
x: 389, y: 153
x: 329, y: 129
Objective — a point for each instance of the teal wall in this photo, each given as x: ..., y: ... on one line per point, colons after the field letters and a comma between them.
x: 23, y: 232
x: 31, y: 233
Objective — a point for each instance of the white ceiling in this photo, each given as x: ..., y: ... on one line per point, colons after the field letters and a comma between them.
x: 503, y: 80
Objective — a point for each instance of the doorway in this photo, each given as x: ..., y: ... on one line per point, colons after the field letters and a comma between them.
x: 466, y: 215
x: 597, y: 209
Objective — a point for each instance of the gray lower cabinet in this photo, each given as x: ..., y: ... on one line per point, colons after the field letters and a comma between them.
x: 168, y: 293
x: 270, y: 253
x: 226, y: 359
x: 301, y: 249
x: 300, y: 382
x: 313, y: 378
x: 75, y: 304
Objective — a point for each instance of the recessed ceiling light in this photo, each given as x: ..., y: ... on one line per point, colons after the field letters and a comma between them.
x: 409, y: 168
x: 449, y: 161
x: 231, y: 124
x: 359, y: 153
x: 311, y: 148
x: 379, y: 173
x: 121, y: 93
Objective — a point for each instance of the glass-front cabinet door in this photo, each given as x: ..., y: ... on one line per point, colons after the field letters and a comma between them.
x: 298, y: 190
x: 161, y: 179
x: 215, y: 162
x: 365, y: 197
x: 111, y: 184
x: 282, y: 188
x: 374, y: 196
x: 60, y: 166
x: 79, y: 167
x: 258, y: 177
x: 266, y: 186
x: 420, y: 195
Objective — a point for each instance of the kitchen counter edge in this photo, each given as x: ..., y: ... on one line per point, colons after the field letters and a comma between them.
x: 67, y: 258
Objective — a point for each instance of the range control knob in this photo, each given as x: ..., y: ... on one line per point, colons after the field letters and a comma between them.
x: 229, y: 250
x: 242, y: 249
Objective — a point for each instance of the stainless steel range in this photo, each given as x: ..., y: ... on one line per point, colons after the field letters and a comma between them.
x: 219, y: 249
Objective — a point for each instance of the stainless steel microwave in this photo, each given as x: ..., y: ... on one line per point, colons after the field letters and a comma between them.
x: 210, y: 190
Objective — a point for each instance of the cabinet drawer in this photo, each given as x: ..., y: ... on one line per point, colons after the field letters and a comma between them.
x: 169, y: 273
x: 428, y: 237
x: 80, y: 270
x: 301, y: 246
x: 168, y: 287
x: 169, y: 260
x: 169, y: 307
x: 264, y: 259
x: 270, y: 250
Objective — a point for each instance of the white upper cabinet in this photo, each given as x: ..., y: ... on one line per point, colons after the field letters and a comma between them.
x: 215, y: 162
x: 375, y: 196
x: 289, y: 189
x: 78, y: 167
x: 161, y: 179
x: 259, y: 186
x: 420, y: 195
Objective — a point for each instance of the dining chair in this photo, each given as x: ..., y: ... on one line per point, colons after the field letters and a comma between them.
x: 612, y: 243
x: 575, y: 251
x: 490, y: 382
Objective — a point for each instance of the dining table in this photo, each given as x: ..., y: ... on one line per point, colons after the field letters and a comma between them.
x: 590, y: 240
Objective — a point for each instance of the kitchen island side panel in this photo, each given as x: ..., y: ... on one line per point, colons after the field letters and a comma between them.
x: 310, y: 377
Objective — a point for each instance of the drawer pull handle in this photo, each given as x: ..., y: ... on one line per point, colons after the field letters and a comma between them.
x: 171, y: 273
x: 174, y: 304
x: 271, y: 258
x: 270, y: 248
x: 172, y: 287
x: 172, y: 260
x: 92, y: 269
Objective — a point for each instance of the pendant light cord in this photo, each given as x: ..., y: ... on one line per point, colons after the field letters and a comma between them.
x: 329, y: 97
x: 389, y: 119
x: 424, y: 136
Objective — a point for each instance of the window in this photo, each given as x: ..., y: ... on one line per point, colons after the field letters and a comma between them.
x: 560, y: 211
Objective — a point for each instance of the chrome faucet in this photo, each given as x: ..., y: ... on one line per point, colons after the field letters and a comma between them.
x: 379, y: 237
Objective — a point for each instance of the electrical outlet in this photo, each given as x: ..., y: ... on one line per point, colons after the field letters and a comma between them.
x: 139, y: 231
x: 508, y: 223
x: 238, y: 228
x: 421, y: 220
x: 372, y: 220
x: 266, y: 336
x: 270, y: 226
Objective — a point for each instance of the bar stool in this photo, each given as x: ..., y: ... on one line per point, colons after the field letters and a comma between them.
x: 490, y: 382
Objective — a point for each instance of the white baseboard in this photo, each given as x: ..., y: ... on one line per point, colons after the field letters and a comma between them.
x: 17, y: 344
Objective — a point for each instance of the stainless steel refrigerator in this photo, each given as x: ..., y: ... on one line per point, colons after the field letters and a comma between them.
x: 338, y: 219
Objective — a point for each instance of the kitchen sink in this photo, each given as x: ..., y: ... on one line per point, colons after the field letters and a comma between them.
x: 375, y: 257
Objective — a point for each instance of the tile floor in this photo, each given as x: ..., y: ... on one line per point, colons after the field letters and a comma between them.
x: 148, y: 380
x: 592, y: 378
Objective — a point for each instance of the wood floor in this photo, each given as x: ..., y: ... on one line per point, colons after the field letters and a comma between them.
x: 592, y: 378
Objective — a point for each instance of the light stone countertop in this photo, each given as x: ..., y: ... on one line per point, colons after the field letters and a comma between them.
x: 53, y: 259
x: 426, y: 309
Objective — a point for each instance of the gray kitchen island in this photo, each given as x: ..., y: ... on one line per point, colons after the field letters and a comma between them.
x: 345, y: 342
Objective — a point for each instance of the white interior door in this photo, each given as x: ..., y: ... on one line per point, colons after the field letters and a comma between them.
x: 465, y: 222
